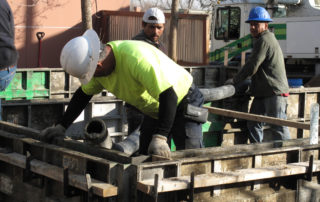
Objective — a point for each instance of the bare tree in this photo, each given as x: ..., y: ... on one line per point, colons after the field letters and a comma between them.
x: 173, y: 30
x: 86, y: 14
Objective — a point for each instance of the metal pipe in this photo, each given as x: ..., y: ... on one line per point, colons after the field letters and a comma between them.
x: 314, y: 123
x: 96, y: 133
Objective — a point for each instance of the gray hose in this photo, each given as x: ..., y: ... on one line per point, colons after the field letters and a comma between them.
x: 130, y: 145
x: 219, y: 93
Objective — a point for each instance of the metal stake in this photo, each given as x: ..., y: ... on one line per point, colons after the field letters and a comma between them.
x: 314, y: 123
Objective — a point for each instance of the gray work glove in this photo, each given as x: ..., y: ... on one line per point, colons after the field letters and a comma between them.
x: 229, y: 82
x: 48, y: 134
x: 159, y: 146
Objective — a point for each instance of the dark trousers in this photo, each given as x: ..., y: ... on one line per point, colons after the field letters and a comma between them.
x: 134, y: 118
x: 186, y: 134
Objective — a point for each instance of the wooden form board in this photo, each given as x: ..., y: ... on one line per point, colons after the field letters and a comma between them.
x: 259, y: 118
x: 109, y: 154
x: 222, y: 178
x: 99, y: 188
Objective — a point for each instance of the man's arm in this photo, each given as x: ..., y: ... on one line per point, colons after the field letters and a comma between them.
x: 257, y: 57
x: 167, y: 111
x: 77, y: 103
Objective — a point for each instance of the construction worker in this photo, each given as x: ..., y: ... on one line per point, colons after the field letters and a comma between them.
x: 152, y: 28
x: 8, y: 52
x: 141, y: 75
x: 269, y: 84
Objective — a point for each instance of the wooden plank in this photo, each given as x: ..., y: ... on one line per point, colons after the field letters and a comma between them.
x: 259, y: 118
x: 99, y: 188
x: 305, y: 90
x: 222, y: 178
x: 109, y: 154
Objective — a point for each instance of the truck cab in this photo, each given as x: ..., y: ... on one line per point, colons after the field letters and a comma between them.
x: 296, y: 25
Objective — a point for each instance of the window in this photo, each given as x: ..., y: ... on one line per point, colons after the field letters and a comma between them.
x: 227, y: 24
x: 279, y: 11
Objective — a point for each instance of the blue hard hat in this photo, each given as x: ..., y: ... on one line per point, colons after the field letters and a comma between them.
x: 259, y: 14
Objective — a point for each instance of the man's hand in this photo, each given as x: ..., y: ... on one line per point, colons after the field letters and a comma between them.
x: 159, y: 146
x: 48, y: 134
x: 229, y: 82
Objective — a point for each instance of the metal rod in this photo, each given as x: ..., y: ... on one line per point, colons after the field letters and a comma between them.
x: 314, y: 123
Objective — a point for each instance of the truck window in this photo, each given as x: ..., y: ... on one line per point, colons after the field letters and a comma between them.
x: 279, y: 11
x: 227, y: 24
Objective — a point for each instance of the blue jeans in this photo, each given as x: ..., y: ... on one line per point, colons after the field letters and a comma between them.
x: 6, y: 75
x: 273, y: 106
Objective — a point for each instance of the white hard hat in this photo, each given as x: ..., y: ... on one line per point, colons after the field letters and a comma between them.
x: 79, y: 57
x: 155, y: 13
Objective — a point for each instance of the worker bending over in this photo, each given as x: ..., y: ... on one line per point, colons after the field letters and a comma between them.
x: 269, y: 84
x: 143, y: 76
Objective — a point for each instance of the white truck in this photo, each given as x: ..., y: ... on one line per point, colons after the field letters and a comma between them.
x: 296, y: 24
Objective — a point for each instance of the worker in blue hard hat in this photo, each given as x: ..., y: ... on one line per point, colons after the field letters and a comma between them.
x: 269, y: 84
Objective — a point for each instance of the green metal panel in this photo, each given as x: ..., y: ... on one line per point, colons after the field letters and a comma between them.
x: 234, y: 49
x: 212, y: 128
x: 27, y: 84
x: 280, y: 31
x: 245, y: 43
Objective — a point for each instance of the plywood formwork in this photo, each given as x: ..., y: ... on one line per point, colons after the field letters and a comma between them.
x: 125, y: 172
x: 221, y: 174
x: 127, y: 175
x: 35, y: 171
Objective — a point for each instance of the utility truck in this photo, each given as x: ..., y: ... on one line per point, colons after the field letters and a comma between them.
x: 296, y: 24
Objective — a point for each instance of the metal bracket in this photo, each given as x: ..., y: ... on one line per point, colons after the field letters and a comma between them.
x: 27, y: 173
x: 191, y: 187
x: 89, y: 187
x: 310, y: 168
x: 155, y: 187
x: 67, y: 190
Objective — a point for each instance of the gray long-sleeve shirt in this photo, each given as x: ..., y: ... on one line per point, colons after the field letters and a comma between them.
x: 8, y: 52
x: 266, y: 67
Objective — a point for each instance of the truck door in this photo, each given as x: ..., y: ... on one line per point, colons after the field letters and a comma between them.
x: 227, y: 25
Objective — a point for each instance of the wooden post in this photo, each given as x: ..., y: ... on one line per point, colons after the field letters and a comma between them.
x: 258, y: 118
x: 225, y: 62
x: 243, y: 58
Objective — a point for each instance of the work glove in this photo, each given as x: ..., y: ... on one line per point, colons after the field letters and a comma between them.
x: 48, y: 134
x: 229, y: 82
x: 159, y: 146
